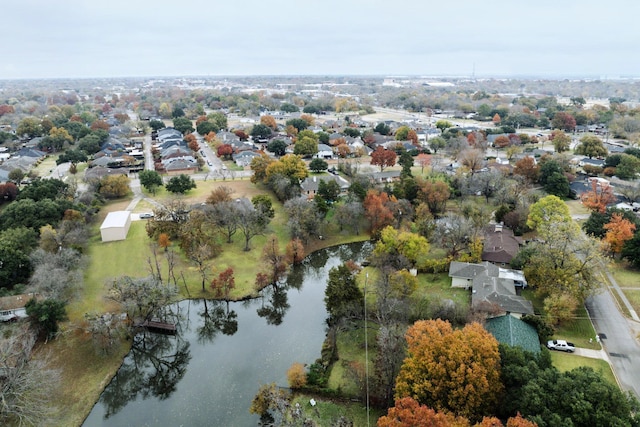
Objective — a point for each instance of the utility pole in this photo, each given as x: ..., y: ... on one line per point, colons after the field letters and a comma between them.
x: 366, y: 344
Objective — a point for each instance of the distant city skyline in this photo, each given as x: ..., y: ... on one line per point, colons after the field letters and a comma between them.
x: 143, y: 38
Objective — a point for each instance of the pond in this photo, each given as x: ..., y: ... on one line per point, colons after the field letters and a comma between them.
x: 208, y: 373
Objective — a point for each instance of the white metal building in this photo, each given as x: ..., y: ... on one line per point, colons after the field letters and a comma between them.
x: 115, y: 226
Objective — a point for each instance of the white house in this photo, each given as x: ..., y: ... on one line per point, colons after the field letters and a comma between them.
x: 115, y: 226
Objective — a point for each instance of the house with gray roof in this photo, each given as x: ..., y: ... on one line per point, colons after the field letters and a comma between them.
x: 244, y: 157
x: 514, y: 332
x: 324, y: 152
x: 180, y: 165
x: 492, y: 288
x: 310, y: 185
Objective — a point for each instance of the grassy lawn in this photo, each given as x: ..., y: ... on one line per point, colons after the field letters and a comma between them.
x: 439, y: 286
x: 577, y: 208
x: 84, y: 375
x: 351, y: 350
x: 578, y: 330
x: 566, y: 362
x: 44, y: 167
x: 326, y: 412
x: 627, y: 278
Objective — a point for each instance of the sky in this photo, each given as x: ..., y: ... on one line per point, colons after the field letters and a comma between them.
x: 144, y: 38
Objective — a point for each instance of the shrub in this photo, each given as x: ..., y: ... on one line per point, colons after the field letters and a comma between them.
x: 297, y: 376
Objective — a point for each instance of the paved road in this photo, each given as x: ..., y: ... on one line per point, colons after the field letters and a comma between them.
x: 618, y: 338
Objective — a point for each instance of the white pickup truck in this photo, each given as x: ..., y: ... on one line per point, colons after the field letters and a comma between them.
x: 561, y: 345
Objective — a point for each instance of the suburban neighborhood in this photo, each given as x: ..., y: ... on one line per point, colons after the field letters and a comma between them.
x: 469, y: 247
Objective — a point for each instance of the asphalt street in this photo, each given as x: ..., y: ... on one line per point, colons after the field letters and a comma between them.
x: 618, y: 338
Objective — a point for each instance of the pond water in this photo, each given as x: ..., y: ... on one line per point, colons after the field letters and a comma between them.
x: 208, y: 373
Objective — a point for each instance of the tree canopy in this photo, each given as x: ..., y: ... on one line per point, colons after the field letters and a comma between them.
x: 452, y: 370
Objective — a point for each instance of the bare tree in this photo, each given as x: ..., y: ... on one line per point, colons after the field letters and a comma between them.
x: 57, y: 274
x: 350, y: 214
x: 225, y: 216
x: 25, y: 381
x: 251, y: 221
x: 453, y: 232
x: 473, y: 158
x: 304, y: 218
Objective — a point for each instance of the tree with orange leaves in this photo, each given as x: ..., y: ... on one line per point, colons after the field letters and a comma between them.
x: 377, y: 211
x: 163, y: 241
x: 527, y: 168
x: 412, y: 136
x: 619, y: 230
x: 269, y: 122
x: 501, y: 141
x: 308, y: 118
x: 451, y: 370
x: 598, y: 197
x: 409, y: 413
x: 209, y: 137
x: 192, y: 142
x: 295, y: 251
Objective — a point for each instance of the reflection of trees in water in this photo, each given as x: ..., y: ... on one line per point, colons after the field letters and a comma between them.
x: 216, y: 318
x: 295, y: 276
x: 153, y: 367
x: 275, y: 303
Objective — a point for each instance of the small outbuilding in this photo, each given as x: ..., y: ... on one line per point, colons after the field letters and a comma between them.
x: 115, y: 226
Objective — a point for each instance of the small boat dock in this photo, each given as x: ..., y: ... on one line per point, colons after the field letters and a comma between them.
x: 159, y: 327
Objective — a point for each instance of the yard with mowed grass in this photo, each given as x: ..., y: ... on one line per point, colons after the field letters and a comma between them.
x: 577, y: 330
x: 326, y: 411
x: 629, y: 281
x: 566, y: 362
x: 83, y: 373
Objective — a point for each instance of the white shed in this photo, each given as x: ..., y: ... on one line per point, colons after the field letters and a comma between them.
x: 115, y: 226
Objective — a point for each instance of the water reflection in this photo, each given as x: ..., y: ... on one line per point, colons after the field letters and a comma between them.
x: 235, y: 348
x: 275, y: 304
x: 216, y: 318
x: 154, y: 366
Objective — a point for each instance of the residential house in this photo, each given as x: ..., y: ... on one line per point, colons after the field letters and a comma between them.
x: 591, y: 162
x: 514, y: 332
x: 500, y: 244
x: 493, y: 289
x: 244, y: 157
x: 324, y: 152
x: 384, y: 176
x: 310, y: 185
x: 176, y: 166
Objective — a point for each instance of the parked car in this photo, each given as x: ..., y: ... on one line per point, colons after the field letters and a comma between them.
x: 561, y: 345
x: 146, y: 215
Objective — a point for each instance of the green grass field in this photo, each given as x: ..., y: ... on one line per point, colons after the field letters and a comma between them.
x: 566, y: 362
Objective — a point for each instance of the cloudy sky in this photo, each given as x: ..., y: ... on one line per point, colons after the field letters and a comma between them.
x: 118, y: 38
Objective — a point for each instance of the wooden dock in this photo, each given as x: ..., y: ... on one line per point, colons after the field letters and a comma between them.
x: 159, y: 327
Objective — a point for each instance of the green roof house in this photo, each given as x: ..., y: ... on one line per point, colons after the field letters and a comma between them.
x: 514, y: 332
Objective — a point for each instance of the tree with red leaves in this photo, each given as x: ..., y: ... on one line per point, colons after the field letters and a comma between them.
x: 383, y: 158
x: 223, y: 284
x: 225, y: 150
